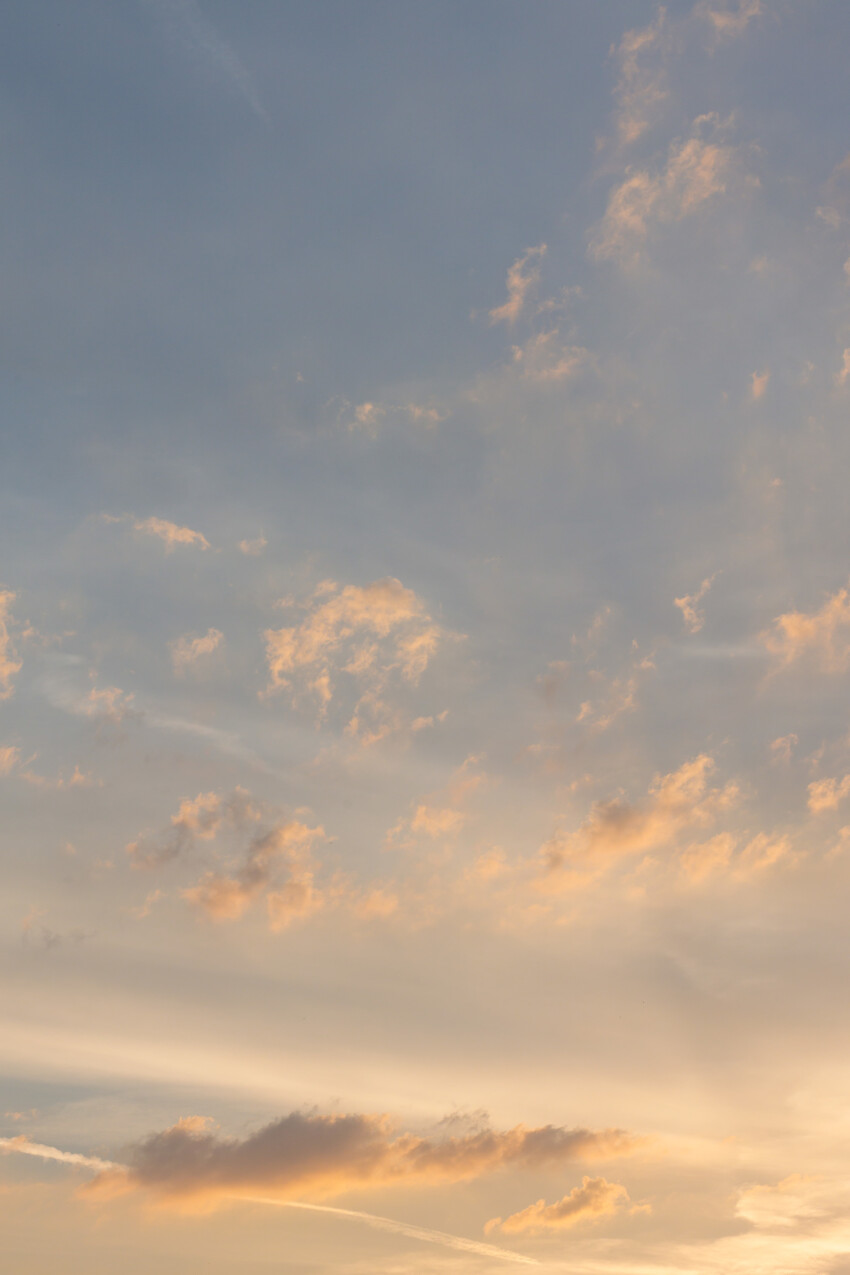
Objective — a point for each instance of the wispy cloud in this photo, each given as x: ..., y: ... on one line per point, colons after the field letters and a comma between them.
x: 187, y: 24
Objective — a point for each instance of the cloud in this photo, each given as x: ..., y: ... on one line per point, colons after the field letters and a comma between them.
x: 546, y: 357
x: 253, y: 548
x: 694, y: 619
x: 324, y: 1156
x: 197, y: 818
x: 22, y: 1146
x: 641, y: 87
x: 522, y: 278
x: 675, y: 801
x: 729, y: 21
x: 724, y: 853
x: 185, y: 20
x: 10, y: 755
x: 9, y: 665
x: 758, y: 384
x: 696, y: 171
x: 844, y: 373
x: 827, y: 794
x: 170, y: 533
x: 226, y: 897
x: 594, y: 1199
x: 186, y: 650
x: 822, y: 636
x: 783, y: 747
x: 367, y: 632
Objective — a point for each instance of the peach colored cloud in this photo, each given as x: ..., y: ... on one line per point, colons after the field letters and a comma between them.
x: 170, y: 533
x: 368, y: 632
x: 253, y: 548
x: 695, y: 172
x: 594, y: 1199
x: 823, y: 636
x: 614, y: 828
x: 547, y: 357
x: 199, y: 818
x: 693, y: 618
x: 522, y: 278
x: 827, y: 794
x: 729, y: 21
x: 641, y: 85
x: 10, y: 755
x: 227, y: 896
x: 186, y: 650
x: 9, y: 665
x: 758, y: 384
x: 323, y: 1156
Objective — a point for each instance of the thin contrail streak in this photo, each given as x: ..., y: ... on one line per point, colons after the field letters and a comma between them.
x: 402, y: 1228
x: 23, y: 1146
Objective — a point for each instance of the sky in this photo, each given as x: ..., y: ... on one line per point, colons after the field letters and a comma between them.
x: 425, y: 637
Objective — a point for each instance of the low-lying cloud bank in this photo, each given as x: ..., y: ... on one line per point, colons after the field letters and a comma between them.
x: 324, y: 1156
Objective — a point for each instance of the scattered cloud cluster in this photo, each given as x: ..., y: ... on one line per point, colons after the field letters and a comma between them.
x: 676, y: 801
x: 697, y: 170
x: 369, y: 634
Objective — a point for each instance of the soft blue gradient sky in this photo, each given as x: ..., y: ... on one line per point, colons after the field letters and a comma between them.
x: 424, y: 638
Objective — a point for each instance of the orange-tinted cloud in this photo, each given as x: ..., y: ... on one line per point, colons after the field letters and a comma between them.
x: 186, y: 650
x: 227, y: 896
x: 822, y: 636
x: 674, y: 802
x: 367, y: 632
x: 695, y: 172
x: 324, y: 1156
x: 689, y: 605
x: 522, y: 278
x: 170, y: 533
x: 594, y: 1199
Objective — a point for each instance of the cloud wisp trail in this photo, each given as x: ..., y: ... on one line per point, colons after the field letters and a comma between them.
x: 23, y: 1146
x: 402, y: 1228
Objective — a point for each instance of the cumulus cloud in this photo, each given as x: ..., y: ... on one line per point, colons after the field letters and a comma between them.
x: 323, y: 1156
x: 594, y: 1199
x: 368, y: 632
x: 827, y: 794
x: 170, y: 533
x: 187, y: 650
x: 693, y: 618
x: 696, y: 171
x: 523, y: 277
x: 9, y: 665
x: 681, y: 799
x: 821, y: 636
x: 227, y: 896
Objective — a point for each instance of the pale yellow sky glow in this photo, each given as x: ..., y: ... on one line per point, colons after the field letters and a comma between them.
x: 425, y: 638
